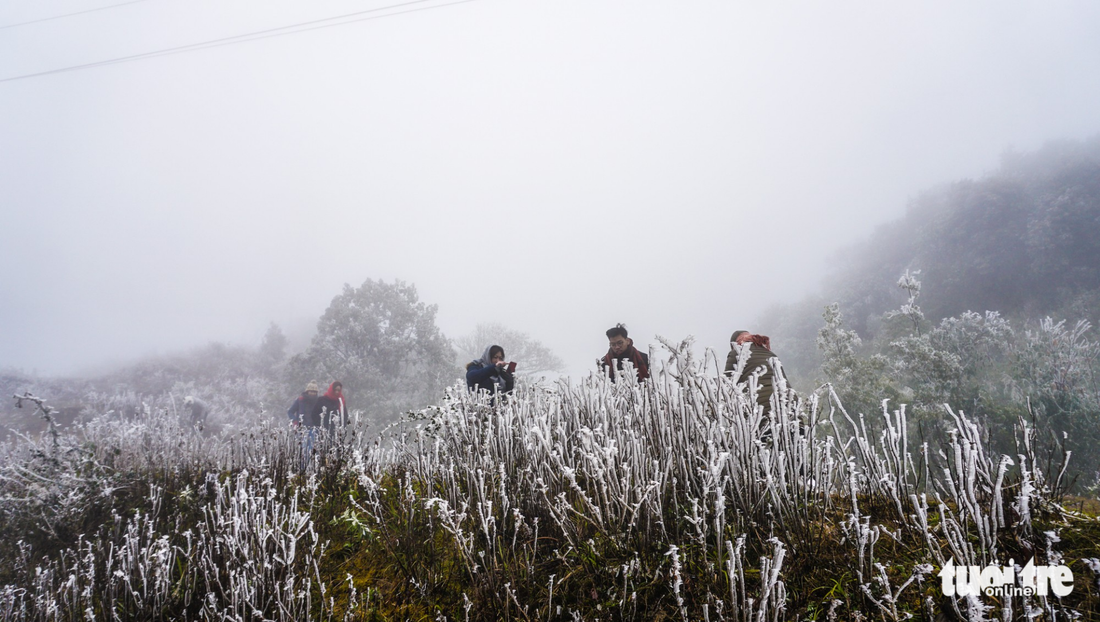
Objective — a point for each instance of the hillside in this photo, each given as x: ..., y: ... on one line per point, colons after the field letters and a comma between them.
x: 670, y: 499
x: 1023, y: 241
x: 233, y: 379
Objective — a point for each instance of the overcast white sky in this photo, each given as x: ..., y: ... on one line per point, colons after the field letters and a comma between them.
x: 557, y: 166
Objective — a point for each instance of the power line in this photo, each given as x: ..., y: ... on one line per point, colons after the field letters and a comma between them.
x: 46, y: 19
x: 252, y: 36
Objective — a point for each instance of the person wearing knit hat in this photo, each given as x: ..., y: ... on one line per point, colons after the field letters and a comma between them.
x: 301, y: 411
x: 301, y: 417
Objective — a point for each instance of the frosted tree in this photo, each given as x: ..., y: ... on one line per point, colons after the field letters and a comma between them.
x: 531, y: 355
x: 273, y: 347
x: 910, y: 310
x: 861, y: 380
x: 1048, y: 375
x: 383, y: 344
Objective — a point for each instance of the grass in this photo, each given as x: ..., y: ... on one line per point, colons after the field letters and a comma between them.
x: 668, y: 500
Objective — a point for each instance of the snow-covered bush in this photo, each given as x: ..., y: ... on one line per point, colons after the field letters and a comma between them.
x: 1047, y: 373
x: 678, y: 497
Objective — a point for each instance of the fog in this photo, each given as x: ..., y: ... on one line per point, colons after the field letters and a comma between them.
x: 553, y: 166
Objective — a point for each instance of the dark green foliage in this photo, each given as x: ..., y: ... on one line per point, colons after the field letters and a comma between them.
x: 862, y: 381
x: 1047, y: 375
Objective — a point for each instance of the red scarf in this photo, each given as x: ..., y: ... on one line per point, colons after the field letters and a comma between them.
x: 763, y: 341
x: 331, y: 394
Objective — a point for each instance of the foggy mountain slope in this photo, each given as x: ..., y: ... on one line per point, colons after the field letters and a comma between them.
x: 222, y: 374
x: 1024, y: 241
x: 64, y: 394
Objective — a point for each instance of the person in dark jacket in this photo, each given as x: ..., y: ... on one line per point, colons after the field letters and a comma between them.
x: 331, y: 409
x: 301, y: 411
x: 301, y: 416
x: 490, y: 372
x: 620, y: 349
x: 200, y: 410
x: 759, y: 357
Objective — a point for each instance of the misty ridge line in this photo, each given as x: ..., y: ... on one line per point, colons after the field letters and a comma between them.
x: 247, y: 37
x: 1015, y: 196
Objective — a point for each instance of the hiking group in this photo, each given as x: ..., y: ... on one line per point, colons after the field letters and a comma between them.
x: 310, y: 413
x: 494, y: 374
x: 491, y: 372
x: 314, y: 411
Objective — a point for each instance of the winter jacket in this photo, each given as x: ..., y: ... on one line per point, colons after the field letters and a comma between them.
x: 638, y: 358
x: 489, y: 378
x: 301, y: 410
x: 331, y: 410
x: 482, y: 374
x: 758, y: 358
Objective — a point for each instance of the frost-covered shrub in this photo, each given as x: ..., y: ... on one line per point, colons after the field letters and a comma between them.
x: 677, y: 497
x: 1046, y: 373
x: 382, y: 342
x: 141, y: 518
x: 626, y: 485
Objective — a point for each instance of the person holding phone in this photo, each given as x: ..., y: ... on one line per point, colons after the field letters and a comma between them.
x: 490, y: 372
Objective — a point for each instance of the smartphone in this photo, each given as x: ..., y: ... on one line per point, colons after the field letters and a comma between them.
x: 512, y: 367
